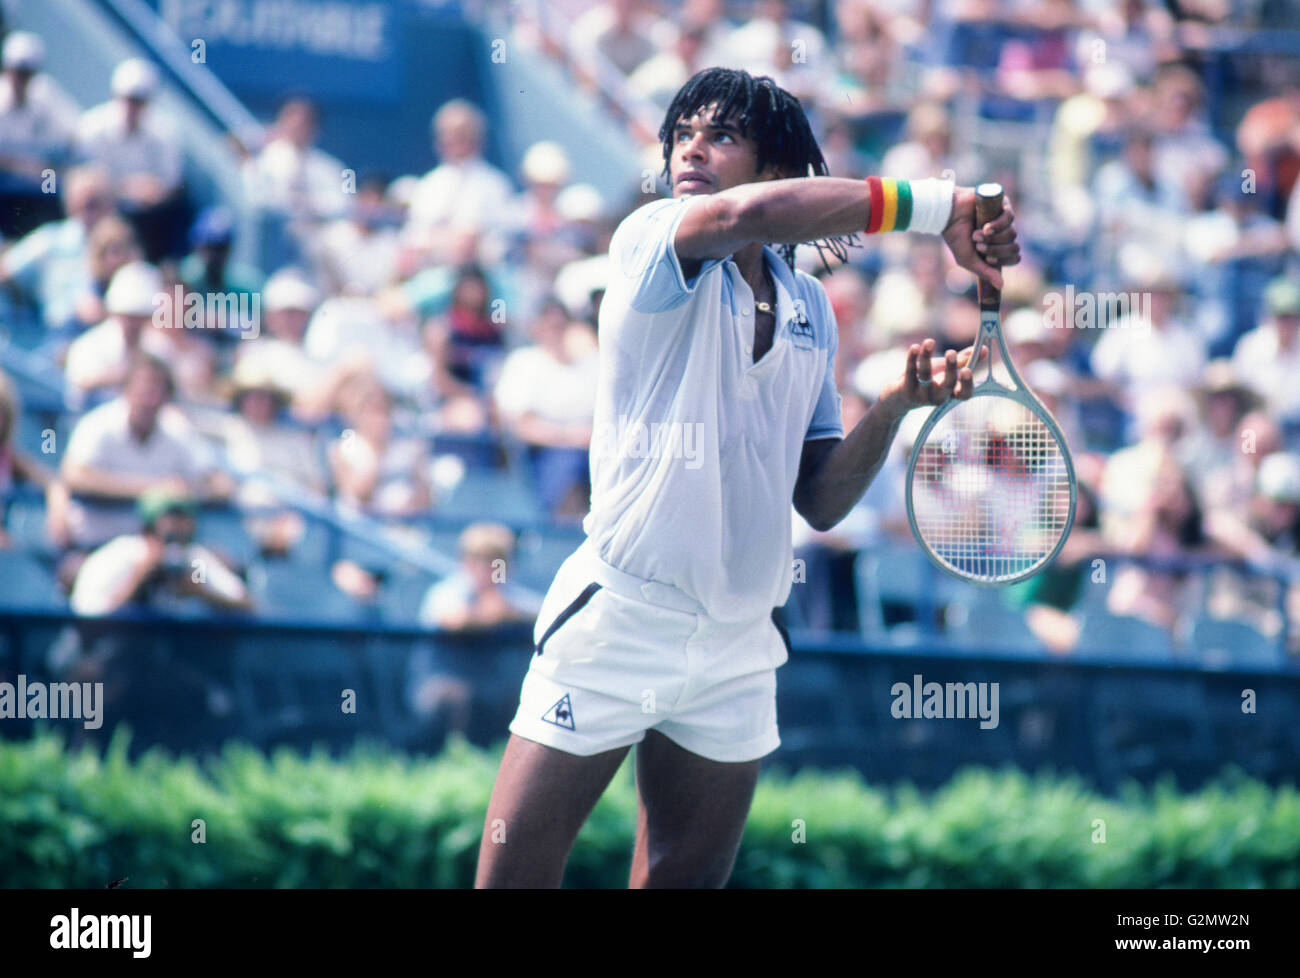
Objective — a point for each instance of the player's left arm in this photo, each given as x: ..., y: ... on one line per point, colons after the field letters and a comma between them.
x: 835, y: 472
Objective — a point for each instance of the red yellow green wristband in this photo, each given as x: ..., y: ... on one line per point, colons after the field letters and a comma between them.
x: 909, y: 205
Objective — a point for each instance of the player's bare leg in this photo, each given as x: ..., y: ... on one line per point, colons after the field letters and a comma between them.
x: 540, y: 800
x: 691, y: 814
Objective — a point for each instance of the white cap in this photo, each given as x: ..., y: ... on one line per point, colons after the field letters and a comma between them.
x: 133, y: 289
x: 286, y: 290
x: 134, y: 78
x: 581, y: 202
x: 1279, y: 477
x: 546, y: 162
x: 24, y: 50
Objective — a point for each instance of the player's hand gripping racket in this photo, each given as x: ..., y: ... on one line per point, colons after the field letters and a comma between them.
x: 990, y: 487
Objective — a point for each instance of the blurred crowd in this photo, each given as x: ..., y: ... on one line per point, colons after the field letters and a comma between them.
x: 1157, y: 311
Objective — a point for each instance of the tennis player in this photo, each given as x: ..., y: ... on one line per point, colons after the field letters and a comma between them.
x: 716, y: 407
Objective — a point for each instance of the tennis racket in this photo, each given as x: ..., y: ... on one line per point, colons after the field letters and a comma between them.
x: 990, y: 486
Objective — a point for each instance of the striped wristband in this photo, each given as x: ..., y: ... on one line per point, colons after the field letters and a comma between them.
x: 909, y: 205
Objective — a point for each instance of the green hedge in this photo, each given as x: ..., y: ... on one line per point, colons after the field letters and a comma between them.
x: 381, y: 819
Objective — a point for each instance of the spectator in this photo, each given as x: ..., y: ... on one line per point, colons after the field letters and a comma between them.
x: 1211, y: 450
x: 100, y: 357
x: 1266, y: 356
x: 36, y: 125
x: 1183, y: 141
x: 207, y: 269
x: 1135, y: 203
x: 771, y: 42
x: 142, y: 156
x: 1268, y: 143
x: 259, y: 444
x: 466, y: 344
x: 623, y: 33
x: 928, y: 150
x: 287, y: 304
x: 1232, y: 486
x: 112, y: 244
x: 357, y: 253
x: 546, y: 397
x: 157, y: 565
x: 1082, y: 129
x: 1266, y: 534
x: 49, y: 265
x: 660, y: 77
x: 1232, y: 250
x: 478, y: 595
x: 298, y: 185
x: 464, y: 192
x: 1169, y: 524
x: 475, y: 596
x: 374, y: 472
x: 118, y: 451
x: 16, y: 465
x: 1146, y: 347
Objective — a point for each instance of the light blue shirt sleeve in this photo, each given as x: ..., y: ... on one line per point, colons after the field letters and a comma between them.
x: 642, y: 251
x: 827, y: 422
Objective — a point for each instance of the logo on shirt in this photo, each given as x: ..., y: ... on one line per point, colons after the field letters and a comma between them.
x: 801, y: 331
x: 560, y: 714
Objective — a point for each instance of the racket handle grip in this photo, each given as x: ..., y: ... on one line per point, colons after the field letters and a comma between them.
x: 988, y: 205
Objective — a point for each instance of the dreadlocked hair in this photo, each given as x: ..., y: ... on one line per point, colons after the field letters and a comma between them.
x: 773, y: 119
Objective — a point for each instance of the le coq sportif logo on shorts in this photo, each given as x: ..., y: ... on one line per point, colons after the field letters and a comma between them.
x: 561, y: 713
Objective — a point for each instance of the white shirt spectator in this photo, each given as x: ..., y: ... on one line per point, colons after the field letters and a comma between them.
x: 41, y: 130
x: 351, y: 327
x: 49, y: 263
x: 1136, y: 355
x: 1263, y: 366
x: 471, y: 195
x: 152, y: 149
x: 452, y: 596
x: 305, y: 184
x: 104, y: 345
x: 102, y: 439
x: 534, y: 382
x: 106, y: 571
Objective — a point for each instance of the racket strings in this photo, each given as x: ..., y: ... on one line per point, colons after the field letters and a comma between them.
x: 991, y: 489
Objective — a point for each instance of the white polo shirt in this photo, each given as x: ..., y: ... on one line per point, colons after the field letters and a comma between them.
x: 696, y: 448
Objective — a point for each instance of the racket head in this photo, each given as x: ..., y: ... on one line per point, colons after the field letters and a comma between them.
x: 991, y: 489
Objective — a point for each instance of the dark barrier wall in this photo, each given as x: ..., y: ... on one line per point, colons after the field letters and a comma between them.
x: 284, y: 684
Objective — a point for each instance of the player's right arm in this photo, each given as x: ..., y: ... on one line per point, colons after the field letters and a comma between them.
x: 810, y: 208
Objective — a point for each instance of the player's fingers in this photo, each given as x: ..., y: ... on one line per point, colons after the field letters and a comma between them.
x: 965, y: 384
x: 998, y: 224
x: 924, y: 371
x: 909, y: 371
x: 949, y: 372
x: 987, y: 272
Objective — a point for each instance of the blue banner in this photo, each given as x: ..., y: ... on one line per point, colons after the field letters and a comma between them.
x: 347, y: 48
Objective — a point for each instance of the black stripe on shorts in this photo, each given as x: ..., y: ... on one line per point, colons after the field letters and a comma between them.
x: 576, y: 606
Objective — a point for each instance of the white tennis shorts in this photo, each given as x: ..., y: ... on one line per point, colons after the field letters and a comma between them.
x: 615, y: 656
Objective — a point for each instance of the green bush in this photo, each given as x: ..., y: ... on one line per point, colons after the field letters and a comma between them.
x: 381, y: 819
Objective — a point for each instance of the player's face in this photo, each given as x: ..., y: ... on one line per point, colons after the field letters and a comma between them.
x: 710, y: 155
